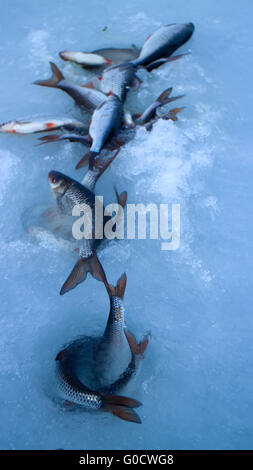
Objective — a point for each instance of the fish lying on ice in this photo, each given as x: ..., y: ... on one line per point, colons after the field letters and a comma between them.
x: 101, y: 57
x: 76, y: 392
x: 122, y: 136
x: 85, y: 96
x: 162, y: 43
x: 106, y: 122
x: 113, y: 363
x: 32, y: 127
x: 69, y: 193
x: 115, y: 357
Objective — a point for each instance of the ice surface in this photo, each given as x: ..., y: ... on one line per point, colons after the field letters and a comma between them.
x: 196, y: 380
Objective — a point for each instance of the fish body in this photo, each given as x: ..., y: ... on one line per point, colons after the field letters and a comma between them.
x: 70, y: 194
x: 114, y: 354
x: 88, y: 97
x: 101, y: 58
x: 163, y: 42
x: 117, y: 350
x: 75, y: 392
x: 86, y: 59
x: 106, y: 120
x: 31, y: 127
x: 117, y: 78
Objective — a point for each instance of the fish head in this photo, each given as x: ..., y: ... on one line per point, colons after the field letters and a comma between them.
x: 8, y: 126
x: 58, y: 182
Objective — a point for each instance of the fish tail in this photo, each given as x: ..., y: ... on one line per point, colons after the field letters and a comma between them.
x: 172, y: 114
x: 53, y: 81
x: 119, y: 289
x: 122, y: 407
x: 101, y: 164
x: 121, y: 198
x: 136, y: 348
x: 79, y: 273
x: 164, y: 97
x: 87, y: 158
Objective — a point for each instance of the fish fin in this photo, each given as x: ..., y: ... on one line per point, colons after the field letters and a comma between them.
x: 176, y: 57
x: 101, y: 164
x: 46, y: 139
x: 53, y: 81
x: 136, y: 49
x: 121, y: 401
x: 85, y: 159
x: 163, y: 60
x: 125, y: 413
x: 173, y: 112
x: 89, y: 85
x: 121, y: 198
x: 119, y: 289
x: 122, y: 407
x: 164, y: 95
x: 136, y: 348
x: 80, y: 271
x: 61, y: 356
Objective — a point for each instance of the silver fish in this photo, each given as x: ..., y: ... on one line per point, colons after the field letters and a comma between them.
x: 106, y: 121
x: 163, y: 42
x: 101, y: 58
x: 117, y: 350
x: 40, y: 125
x: 150, y: 112
x: 75, y: 392
x: 86, y: 59
x: 117, y: 78
x: 69, y: 193
x: 83, y: 95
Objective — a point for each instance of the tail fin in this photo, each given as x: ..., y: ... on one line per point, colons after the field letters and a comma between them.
x: 86, y: 158
x: 163, y: 97
x: 101, y: 164
x: 136, y: 348
x: 53, y: 81
x: 173, y: 112
x: 79, y: 273
x: 119, y: 289
x: 121, y: 198
x: 122, y: 407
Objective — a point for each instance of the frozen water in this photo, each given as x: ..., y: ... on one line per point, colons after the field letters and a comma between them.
x: 196, y: 380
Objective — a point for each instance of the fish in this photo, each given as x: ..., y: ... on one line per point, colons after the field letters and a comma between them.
x: 116, y: 352
x: 150, y: 112
x: 124, y: 135
x: 32, y: 127
x: 84, y: 95
x: 163, y: 42
x: 68, y: 194
x: 101, y: 58
x: 105, y: 122
x: 86, y: 59
x: 76, y: 392
x: 117, y: 78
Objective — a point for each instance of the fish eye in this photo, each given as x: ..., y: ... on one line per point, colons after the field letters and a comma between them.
x: 54, y: 180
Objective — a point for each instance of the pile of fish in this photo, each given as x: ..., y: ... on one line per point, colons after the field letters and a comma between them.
x: 91, y: 371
